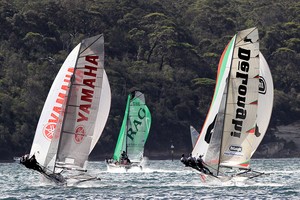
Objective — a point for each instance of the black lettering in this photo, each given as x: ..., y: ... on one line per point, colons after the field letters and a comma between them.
x: 244, y: 66
x: 244, y: 54
x: 237, y: 124
x: 243, y: 76
x: 235, y: 134
x: 241, y: 113
x: 241, y: 101
x: 131, y: 133
x: 242, y: 90
x: 142, y: 113
x: 136, y: 124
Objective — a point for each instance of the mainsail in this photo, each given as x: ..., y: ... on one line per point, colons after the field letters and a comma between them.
x: 135, y: 128
x: 76, y: 109
x: 237, y: 119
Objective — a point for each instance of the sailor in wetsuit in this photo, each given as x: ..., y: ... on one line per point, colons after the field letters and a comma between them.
x: 200, y: 164
x: 31, y: 163
x: 124, y: 158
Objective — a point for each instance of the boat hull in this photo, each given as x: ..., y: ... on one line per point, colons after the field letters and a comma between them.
x: 121, y: 167
x: 235, y: 177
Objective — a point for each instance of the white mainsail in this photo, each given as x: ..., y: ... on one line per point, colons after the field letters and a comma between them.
x: 83, y: 110
x: 241, y: 102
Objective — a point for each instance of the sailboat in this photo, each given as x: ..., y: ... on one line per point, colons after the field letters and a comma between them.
x: 74, y: 114
x: 133, y: 134
x: 240, y: 110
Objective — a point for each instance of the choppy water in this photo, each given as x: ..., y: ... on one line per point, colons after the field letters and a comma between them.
x: 159, y: 180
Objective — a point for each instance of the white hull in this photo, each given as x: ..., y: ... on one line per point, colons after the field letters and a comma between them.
x: 121, y: 167
x: 232, y: 177
x: 70, y: 180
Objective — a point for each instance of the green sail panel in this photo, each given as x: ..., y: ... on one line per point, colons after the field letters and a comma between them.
x: 121, y: 143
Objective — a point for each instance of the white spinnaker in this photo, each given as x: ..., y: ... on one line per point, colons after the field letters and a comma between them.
x: 241, y: 104
x: 104, y: 107
x: 207, y: 129
x: 265, y: 101
x: 51, y: 110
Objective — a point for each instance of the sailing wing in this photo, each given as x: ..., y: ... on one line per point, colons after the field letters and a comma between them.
x: 241, y: 103
x: 49, y: 119
x: 265, y: 101
x: 139, y: 122
x: 194, y: 135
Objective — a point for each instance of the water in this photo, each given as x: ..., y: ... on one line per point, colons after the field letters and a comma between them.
x: 159, y: 180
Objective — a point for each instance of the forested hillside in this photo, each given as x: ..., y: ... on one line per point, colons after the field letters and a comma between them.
x: 168, y: 49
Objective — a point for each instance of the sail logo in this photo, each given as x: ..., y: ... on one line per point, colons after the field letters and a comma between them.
x: 262, y: 87
x: 79, y: 134
x: 210, y: 131
x: 136, y: 123
x: 87, y: 91
x: 242, y: 74
x: 50, y: 128
x: 235, y: 148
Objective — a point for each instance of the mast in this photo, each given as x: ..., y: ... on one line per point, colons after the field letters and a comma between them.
x: 68, y: 99
x: 128, y: 111
x: 227, y: 89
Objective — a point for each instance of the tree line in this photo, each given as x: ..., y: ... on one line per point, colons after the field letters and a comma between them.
x: 167, y: 49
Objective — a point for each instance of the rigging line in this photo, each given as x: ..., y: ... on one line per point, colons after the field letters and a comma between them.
x: 226, y: 97
x: 101, y: 35
x: 66, y: 110
x: 135, y: 97
x: 213, y: 168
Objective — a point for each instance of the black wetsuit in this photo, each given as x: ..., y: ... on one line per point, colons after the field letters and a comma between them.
x: 201, y: 166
